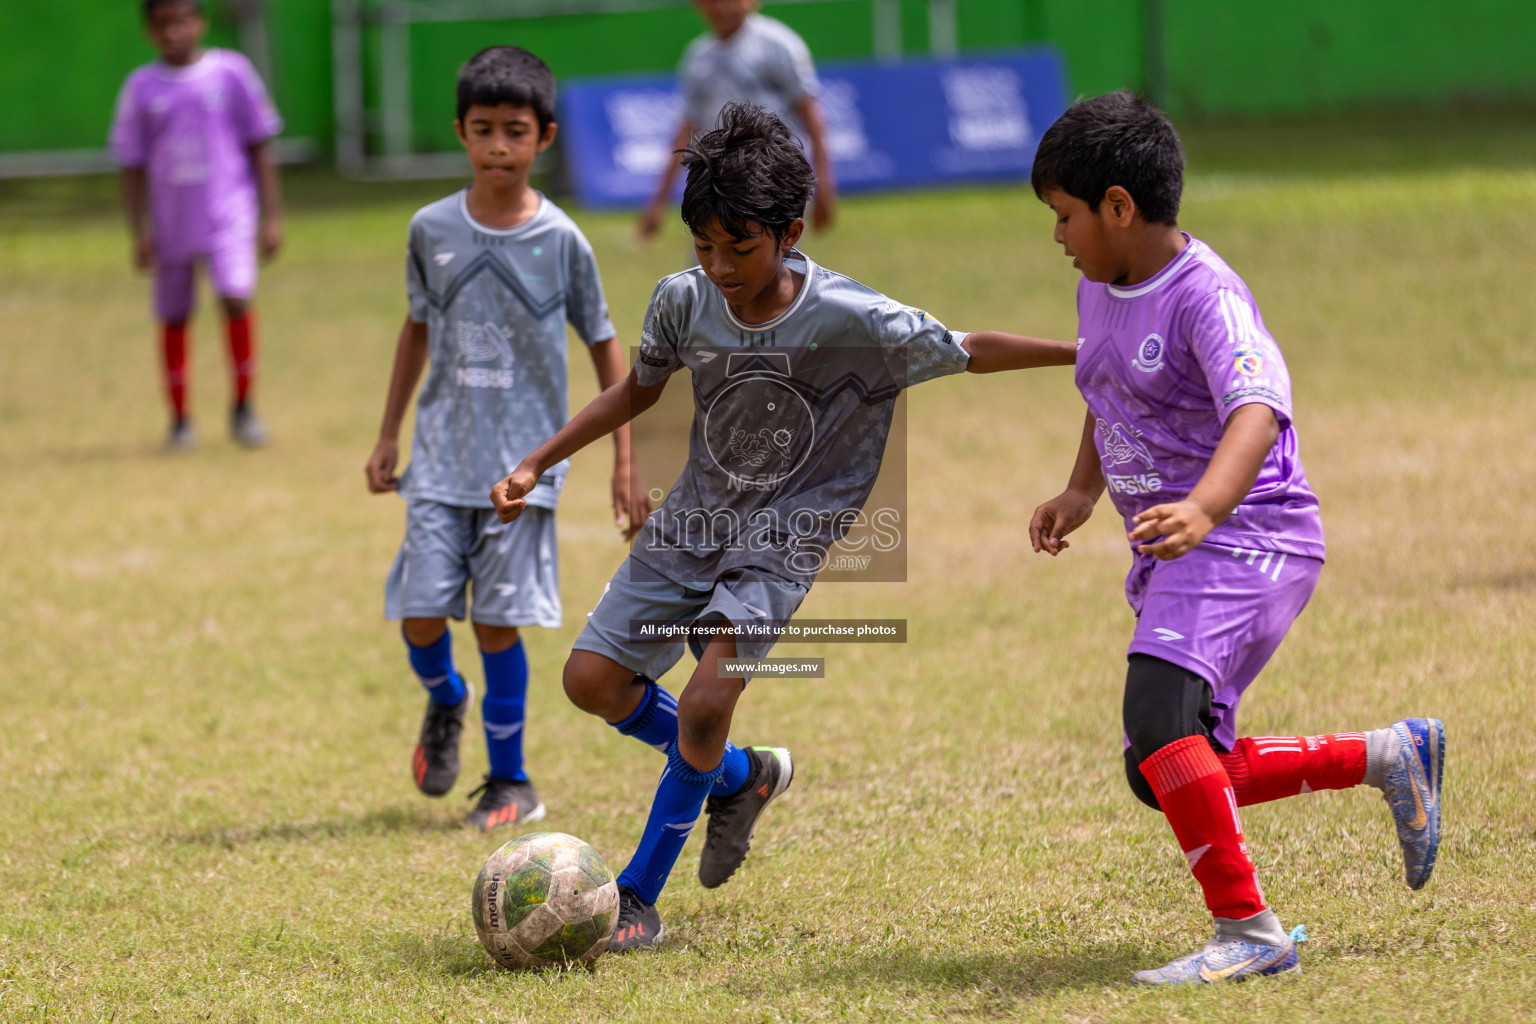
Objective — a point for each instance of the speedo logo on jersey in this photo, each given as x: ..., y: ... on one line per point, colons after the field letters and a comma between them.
x: 483, y: 343
x: 1120, y: 445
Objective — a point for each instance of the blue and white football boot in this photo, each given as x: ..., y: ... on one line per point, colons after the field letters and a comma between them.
x: 1225, y: 959
x: 1413, y: 793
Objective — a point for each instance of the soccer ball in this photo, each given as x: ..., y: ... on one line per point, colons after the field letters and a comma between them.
x: 545, y: 899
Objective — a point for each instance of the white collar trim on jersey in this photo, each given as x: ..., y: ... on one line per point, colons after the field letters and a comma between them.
x: 805, y: 289
x: 1157, y: 280
x: 502, y: 232
x: 182, y: 73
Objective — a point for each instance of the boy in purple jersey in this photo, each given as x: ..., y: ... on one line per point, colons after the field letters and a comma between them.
x: 1189, y: 427
x: 192, y: 131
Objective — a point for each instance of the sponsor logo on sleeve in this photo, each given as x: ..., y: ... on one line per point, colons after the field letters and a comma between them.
x: 1268, y: 394
x: 1248, y: 360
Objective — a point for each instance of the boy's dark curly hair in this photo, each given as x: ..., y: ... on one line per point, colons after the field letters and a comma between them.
x: 749, y: 175
x: 150, y: 5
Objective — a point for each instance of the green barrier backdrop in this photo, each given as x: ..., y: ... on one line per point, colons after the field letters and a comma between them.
x: 61, y: 63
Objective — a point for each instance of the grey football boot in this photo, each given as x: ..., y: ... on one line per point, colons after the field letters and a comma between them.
x: 435, y: 764
x: 639, y: 924
x: 733, y: 818
x: 505, y: 802
x: 180, y: 438
x: 246, y: 427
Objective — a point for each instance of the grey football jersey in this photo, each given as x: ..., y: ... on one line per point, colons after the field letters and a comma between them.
x: 495, y: 302
x: 790, y: 419
x: 764, y: 62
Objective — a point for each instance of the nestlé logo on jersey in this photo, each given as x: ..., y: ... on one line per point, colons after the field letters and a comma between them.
x: 483, y: 343
x: 1120, y: 445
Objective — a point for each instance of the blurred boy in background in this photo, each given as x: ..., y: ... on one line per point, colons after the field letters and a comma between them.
x: 747, y: 56
x: 192, y: 132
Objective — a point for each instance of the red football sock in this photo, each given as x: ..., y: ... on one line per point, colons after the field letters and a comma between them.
x: 242, y: 352
x: 1193, y: 789
x: 174, y: 349
x: 1266, y: 768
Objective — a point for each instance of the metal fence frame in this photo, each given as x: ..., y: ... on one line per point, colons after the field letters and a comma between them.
x: 356, y: 123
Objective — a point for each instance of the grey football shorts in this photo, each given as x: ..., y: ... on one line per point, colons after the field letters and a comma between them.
x: 513, y: 567
x: 633, y: 598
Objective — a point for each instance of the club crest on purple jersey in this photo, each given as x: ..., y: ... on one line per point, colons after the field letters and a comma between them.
x: 1149, y: 357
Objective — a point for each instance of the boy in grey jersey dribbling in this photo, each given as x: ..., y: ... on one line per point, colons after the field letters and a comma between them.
x: 494, y: 273
x: 795, y: 373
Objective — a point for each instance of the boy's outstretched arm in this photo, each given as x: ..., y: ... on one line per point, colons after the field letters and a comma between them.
x: 650, y: 218
x: 631, y: 503
x: 133, y: 204
x: 1052, y: 521
x: 994, y: 351
x: 410, y: 359
x: 269, y: 195
x: 1179, y: 526
x: 824, y: 202
x: 603, y: 415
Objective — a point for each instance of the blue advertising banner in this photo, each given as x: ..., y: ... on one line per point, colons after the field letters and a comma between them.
x: 914, y: 124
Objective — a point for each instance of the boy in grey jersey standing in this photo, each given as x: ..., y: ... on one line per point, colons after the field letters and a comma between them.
x: 494, y: 273
x: 795, y: 373
x: 748, y: 56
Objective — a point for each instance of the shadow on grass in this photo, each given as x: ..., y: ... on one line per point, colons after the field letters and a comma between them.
x: 457, y: 956
x: 462, y: 956
x: 127, y: 451
x: 381, y: 822
x: 1503, y: 579
x: 988, y: 980
x: 983, y: 982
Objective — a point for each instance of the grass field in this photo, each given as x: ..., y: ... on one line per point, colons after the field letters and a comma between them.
x: 206, y: 811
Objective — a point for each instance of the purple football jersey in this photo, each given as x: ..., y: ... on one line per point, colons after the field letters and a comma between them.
x: 190, y: 129
x: 1162, y: 365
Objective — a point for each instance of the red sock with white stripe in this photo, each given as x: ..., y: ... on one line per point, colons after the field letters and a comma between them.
x: 242, y: 353
x: 1264, y: 768
x: 174, y: 350
x: 1194, y: 792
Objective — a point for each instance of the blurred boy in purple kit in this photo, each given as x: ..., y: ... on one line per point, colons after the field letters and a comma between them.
x: 192, y: 132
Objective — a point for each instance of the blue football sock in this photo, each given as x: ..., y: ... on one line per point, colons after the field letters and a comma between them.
x: 679, y: 799
x: 654, y: 723
x: 434, y: 668
x: 734, y: 767
x: 502, y: 710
